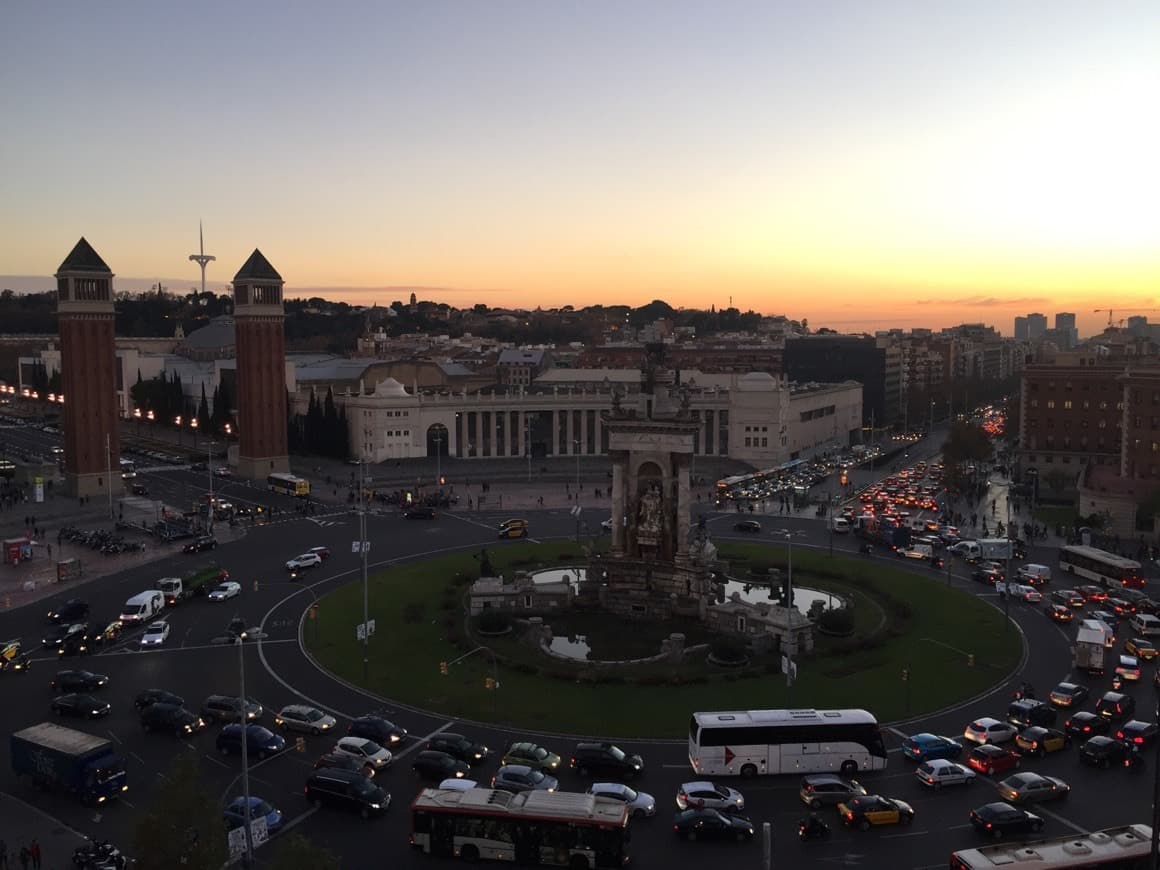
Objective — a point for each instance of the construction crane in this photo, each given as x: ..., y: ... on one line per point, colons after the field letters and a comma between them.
x: 1120, y: 308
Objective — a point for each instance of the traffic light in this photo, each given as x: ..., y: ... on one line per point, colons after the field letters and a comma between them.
x: 443, y: 669
x: 442, y: 479
x: 490, y: 683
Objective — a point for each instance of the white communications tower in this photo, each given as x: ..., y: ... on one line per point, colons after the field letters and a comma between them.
x: 202, y: 259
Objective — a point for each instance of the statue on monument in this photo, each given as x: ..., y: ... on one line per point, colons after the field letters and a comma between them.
x: 648, y: 517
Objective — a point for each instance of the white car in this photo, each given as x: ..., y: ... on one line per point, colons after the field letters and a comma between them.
x: 1019, y: 591
x: 306, y: 560
x: 988, y: 730
x: 155, y: 634
x: 221, y: 472
x: 459, y: 784
x: 226, y: 590
x: 939, y: 772
x: 606, y: 525
x: 639, y: 802
x: 366, y: 751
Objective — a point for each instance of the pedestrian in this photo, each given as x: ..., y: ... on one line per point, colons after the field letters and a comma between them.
x: 50, y: 551
x: 3, y: 855
x: 25, y: 857
x: 34, y: 852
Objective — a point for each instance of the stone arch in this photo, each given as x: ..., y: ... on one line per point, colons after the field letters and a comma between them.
x: 437, y: 440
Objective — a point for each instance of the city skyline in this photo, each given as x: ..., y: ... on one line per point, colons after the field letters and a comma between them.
x: 887, y: 166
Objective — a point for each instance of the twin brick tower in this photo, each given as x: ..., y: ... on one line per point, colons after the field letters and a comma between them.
x: 91, y: 374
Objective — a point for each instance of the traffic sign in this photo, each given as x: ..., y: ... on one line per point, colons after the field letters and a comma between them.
x: 363, y: 629
x: 355, y: 547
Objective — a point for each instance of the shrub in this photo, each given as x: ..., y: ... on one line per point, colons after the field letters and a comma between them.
x: 838, y: 622
x: 493, y: 621
x: 728, y: 649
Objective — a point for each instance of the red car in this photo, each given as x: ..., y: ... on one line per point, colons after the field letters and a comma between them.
x: 991, y: 759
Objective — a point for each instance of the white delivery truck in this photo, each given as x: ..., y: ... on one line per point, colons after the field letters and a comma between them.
x: 995, y: 548
x: 1089, y: 650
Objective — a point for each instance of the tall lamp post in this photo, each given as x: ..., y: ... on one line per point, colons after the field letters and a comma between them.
x: 1155, y: 863
x: 576, y: 444
x: 788, y: 664
x: 177, y: 423
x: 439, y: 460
x: 239, y: 642
x: 193, y: 426
x: 362, y: 530
x: 137, y: 417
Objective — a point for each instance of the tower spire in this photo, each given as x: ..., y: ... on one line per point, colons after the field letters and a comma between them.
x: 202, y: 258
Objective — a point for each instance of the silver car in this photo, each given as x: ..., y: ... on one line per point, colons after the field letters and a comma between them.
x: 1026, y: 788
x: 989, y: 730
x: 299, y: 717
x: 940, y: 771
x: 704, y: 795
x: 639, y: 802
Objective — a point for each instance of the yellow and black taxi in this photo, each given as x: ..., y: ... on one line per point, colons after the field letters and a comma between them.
x: 867, y: 811
x: 513, y: 529
x: 1141, y: 648
x: 1038, y: 741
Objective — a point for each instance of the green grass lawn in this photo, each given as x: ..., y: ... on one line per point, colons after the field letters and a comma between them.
x: 929, y: 629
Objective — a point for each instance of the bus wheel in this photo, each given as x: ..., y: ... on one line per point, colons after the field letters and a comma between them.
x: 849, y: 768
x: 470, y: 854
x: 748, y: 771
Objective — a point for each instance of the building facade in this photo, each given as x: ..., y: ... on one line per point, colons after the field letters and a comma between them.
x: 873, y: 362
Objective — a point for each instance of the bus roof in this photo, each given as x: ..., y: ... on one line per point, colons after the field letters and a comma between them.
x: 1126, y: 841
x: 1102, y: 555
x: 572, y: 806
x: 741, y: 718
x: 282, y: 475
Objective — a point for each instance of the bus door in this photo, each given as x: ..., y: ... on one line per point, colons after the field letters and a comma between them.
x: 442, y: 835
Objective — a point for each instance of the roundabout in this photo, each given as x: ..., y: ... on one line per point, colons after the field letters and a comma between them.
x: 917, y: 646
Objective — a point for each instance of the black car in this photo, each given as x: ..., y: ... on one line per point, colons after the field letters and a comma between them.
x: 1116, y: 706
x: 58, y: 634
x: 383, y: 731
x: 72, y: 610
x: 1085, y: 724
x: 458, y: 746
x: 439, y: 766
x: 348, y: 790
x: 260, y: 742
x: 84, y: 706
x: 1068, y: 695
x: 172, y: 718
x: 197, y: 545
x: 711, y: 825
x: 157, y: 696
x: 999, y: 819
x: 1141, y: 734
x: 420, y: 513
x: 78, y: 681
x: 341, y: 761
x: 605, y: 758
x: 748, y: 526
x: 1028, y: 711
x: 1102, y: 751
x: 988, y: 576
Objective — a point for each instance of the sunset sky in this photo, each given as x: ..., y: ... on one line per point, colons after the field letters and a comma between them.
x: 862, y: 164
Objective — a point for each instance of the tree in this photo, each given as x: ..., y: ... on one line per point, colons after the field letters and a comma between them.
x: 184, y: 827
x: 203, y: 410
x: 295, y: 852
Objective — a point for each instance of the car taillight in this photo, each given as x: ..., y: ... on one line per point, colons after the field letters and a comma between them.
x: 1137, y: 739
x: 809, y: 788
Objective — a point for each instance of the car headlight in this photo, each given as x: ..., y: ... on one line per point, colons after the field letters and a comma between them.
x: 376, y: 806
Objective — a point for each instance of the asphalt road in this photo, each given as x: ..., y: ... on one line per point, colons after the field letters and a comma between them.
x: 278, y: 673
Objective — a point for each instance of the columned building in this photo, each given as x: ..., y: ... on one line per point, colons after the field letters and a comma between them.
x: 85, y: 314
x: 260, y: 339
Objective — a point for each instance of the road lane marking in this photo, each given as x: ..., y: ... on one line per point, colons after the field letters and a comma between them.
x: 896, y: 732
x: 1054, y: 815
x: 137, y: 757
x: 403, y: 753
x: 218, y: 761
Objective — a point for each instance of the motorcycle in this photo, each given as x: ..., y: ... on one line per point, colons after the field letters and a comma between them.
x: 812, y: 829
x: 866, y: 549
x: 98, y: 855
x: 1134, y: 761
x: 1025, y: 691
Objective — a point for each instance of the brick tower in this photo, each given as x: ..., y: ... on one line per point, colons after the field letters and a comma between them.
x: 261, y: 349
x: 88, y: 361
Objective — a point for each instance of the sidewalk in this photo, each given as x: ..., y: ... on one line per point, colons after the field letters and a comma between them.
x: 21, y: 823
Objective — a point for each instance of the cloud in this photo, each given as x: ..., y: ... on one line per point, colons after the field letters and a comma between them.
x: 987, y: 301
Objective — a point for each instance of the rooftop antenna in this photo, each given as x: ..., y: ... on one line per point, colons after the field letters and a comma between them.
x: 202, y: 259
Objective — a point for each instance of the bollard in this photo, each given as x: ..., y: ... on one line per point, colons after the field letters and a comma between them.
x: 766, y: 846
x: 970, y: 660
x: 255, y: 584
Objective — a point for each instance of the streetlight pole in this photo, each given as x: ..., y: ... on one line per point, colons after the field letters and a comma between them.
x: 576, y: 444
x: 109, y: 472
x: 528, y: 445
x: 439, y: 460
x: 362, y: 527
x: 245, y: 720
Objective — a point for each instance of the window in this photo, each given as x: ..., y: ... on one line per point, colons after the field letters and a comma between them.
x: 1067, y: 404
x: 1034, y: 403
x: 1050, y: 403
x: 1086, y: 404
x: 764, y: 442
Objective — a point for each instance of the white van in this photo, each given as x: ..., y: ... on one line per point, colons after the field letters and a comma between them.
x: 841, y: 525
x: 969, y: 550
x: 143, y: 607
x: 1145, y: 624
x: 1036, y: 575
